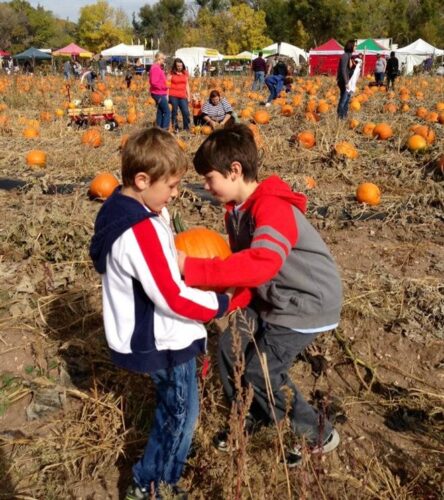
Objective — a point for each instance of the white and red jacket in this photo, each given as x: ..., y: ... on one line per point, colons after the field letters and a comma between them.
x: 152, y: 319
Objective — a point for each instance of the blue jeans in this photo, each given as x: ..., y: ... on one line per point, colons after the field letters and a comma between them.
x: 344, y: 99
x: 182, y: 104
x: 275, y: 84
x: 259, y: 80
x: 281, y: 347
x: 163, y: 111
x: 173, y: 426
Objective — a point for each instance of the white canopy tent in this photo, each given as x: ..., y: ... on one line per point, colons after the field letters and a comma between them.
x: 416, y: 53
x: 286, y: 49
x: 194, y: 57
x: 124, y: 50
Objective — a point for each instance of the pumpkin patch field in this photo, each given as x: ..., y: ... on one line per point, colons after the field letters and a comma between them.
x: 71, y: 424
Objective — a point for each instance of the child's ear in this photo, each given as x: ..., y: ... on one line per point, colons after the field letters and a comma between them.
x: 142, y: 180
x: 236, y: 169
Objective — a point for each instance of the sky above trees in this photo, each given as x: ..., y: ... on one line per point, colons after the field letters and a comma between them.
x: 71, y: 8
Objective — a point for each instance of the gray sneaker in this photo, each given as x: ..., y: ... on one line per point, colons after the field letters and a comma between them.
x: 294, y: 456
x: 136, y: 492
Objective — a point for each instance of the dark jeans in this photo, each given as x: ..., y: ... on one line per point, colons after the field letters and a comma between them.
x: 281, y: 346
x: 379, y: 78
x: 181, y: 104
x: 344, y: 100
x: 275, y: 84
x: 163, y: 111
x: 173, y: 426
x: 391, y: 81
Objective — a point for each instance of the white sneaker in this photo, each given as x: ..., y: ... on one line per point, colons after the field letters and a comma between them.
x: 294, y: 456
x: 268, y: 104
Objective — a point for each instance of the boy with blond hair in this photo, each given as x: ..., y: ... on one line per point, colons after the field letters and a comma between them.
x: 153, y: 321
x: 278, y: 253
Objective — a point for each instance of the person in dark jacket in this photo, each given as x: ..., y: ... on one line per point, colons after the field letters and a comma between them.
x: 345, y: 70
x: 392, y: 70
x: 258, y: 67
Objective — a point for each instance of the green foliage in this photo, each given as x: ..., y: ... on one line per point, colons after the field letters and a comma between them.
x: 22, y: 26
x: 163, y: 21
x: 101, y: 26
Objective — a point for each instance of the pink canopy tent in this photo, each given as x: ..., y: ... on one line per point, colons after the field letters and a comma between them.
x: 323, y: 60
x: 72, y: 50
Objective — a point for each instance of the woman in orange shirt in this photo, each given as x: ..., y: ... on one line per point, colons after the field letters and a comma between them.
x: 179, y: 94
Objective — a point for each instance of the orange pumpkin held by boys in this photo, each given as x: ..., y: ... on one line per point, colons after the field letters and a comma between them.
x: 103, y: 185
x: 202, y: 242
x: 369, y: 193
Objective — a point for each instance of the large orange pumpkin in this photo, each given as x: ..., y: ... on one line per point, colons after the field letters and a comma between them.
x: 36, y: 158
x: 202, y: 242
x: 103, y: 185
x: 369, y: 193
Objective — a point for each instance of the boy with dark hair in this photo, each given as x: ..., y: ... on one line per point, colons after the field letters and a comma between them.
x: 277, y: 252
x: 152, y: 319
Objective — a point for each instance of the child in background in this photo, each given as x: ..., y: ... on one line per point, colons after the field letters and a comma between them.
x: 153, y: 321
x: 298, y: 290
x: 128, y: 76
x: 196, y: 106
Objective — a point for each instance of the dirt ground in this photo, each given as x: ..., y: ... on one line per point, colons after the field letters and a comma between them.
x: 71, y: 424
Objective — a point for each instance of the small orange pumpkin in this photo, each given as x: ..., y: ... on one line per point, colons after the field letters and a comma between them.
x: 206, y: 130
x: 92, y: 138
x: 287, y: 110
x: 103, y: 185
x: 369, y: 193
x: 346, y: 149
x: 382, y: 131
x: 36, y: 158
x: 261, y: 117
x: 416, y: 142
x: 427, y: 132
x: 31, y: 132
x: 96, y: 98
x: 306, y: 139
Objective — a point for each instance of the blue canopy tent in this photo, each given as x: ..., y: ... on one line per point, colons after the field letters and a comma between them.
x: 30, y: 56
x: 34, y: 54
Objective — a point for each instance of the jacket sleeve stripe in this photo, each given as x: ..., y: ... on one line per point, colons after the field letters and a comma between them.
x: 157, y: 263
x: 271, y: 246
x: 270, y: 231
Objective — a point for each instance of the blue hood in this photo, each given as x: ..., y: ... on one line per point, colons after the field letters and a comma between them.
x: 118, y: 213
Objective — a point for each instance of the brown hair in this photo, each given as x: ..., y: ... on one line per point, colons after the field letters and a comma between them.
x: 153, y: 151
x: 214, y: 93
x: 174, y: 67
x: 350, y: 46
x: 223, y: 147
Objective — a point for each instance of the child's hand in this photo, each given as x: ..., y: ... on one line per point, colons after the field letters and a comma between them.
x: 240, y: 298
x: 181, y: 257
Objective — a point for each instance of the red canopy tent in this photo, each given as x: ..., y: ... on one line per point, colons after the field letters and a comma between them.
x: 323, y: 60
x: 4, y: 53
x: 72, y: 50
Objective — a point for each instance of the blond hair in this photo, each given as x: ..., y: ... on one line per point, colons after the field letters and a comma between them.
x: 158, y: 56
x: 155, y: 152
